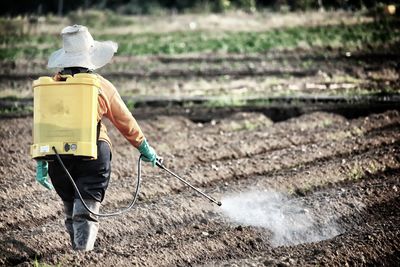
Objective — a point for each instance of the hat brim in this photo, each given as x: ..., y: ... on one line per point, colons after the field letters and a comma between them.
x: 96, y: 57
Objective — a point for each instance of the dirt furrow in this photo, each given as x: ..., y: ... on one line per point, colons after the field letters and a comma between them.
x: 223, y: 172
x: 335, y: 59
x: 272, y: 138
x: 180, y: 73
x: 298, y: 180
x: 152, y: 220
x: 205, y: 149
x: 206, y: 174
x: 302, y: 156
x: 303, y: 179
x: 343, y: 165
x: 193, y: 243
x: 371, y: 232
x: 220, y: 142
x: 165, y: 66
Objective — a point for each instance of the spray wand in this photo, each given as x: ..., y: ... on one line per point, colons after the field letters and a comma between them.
x: 160, y: 165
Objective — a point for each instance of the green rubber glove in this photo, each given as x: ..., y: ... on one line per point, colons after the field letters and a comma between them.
x: 148, y: 153
x: 42, y: 169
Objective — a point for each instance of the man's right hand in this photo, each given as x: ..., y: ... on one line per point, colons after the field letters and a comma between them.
x: 148, y: 153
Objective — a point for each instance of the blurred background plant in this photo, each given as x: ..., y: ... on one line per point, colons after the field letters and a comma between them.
x: 213, y: 47
x: 29, y: 29
x: 95, y: 18
x: 61, y: 7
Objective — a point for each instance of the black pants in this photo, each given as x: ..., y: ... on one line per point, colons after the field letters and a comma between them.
x: 91, y: 176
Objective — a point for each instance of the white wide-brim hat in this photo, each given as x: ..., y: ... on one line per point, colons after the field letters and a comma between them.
x: 81, y: 50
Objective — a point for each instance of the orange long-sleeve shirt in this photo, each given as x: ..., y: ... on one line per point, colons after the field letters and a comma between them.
x: 113, y: 107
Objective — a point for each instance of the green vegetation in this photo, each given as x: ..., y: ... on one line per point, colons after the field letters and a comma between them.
x: 360, y: 170
x: 225, y: 102
x: 36, y: 263
x: 339, y: 36
x: 326, y: 123
x: 246, y: 125
x: 356, y: 173
x: 16, y: 111
x: 130, y: 103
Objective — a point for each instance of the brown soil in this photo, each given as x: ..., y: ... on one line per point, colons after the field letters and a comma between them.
x: 342, y: 169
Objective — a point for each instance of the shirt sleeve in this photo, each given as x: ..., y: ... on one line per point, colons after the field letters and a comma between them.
x: 118, y: 113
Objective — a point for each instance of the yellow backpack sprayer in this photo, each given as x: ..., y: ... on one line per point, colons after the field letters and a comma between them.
x: 65, y: 116
x: 65, y: 122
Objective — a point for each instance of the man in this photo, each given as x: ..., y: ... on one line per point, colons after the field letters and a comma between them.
x: 82, y: 54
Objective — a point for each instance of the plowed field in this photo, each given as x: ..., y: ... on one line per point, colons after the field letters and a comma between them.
x: 342, y: 173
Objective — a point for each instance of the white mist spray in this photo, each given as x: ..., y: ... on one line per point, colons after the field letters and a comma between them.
x: 287, y: 218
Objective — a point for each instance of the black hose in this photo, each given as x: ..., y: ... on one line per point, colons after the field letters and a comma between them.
x: 110, y: 214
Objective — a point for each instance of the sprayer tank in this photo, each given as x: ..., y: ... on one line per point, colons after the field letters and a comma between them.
x: 65, y: 116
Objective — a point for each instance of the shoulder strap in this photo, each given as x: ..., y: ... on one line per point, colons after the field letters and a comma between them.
x: 98, y: 130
